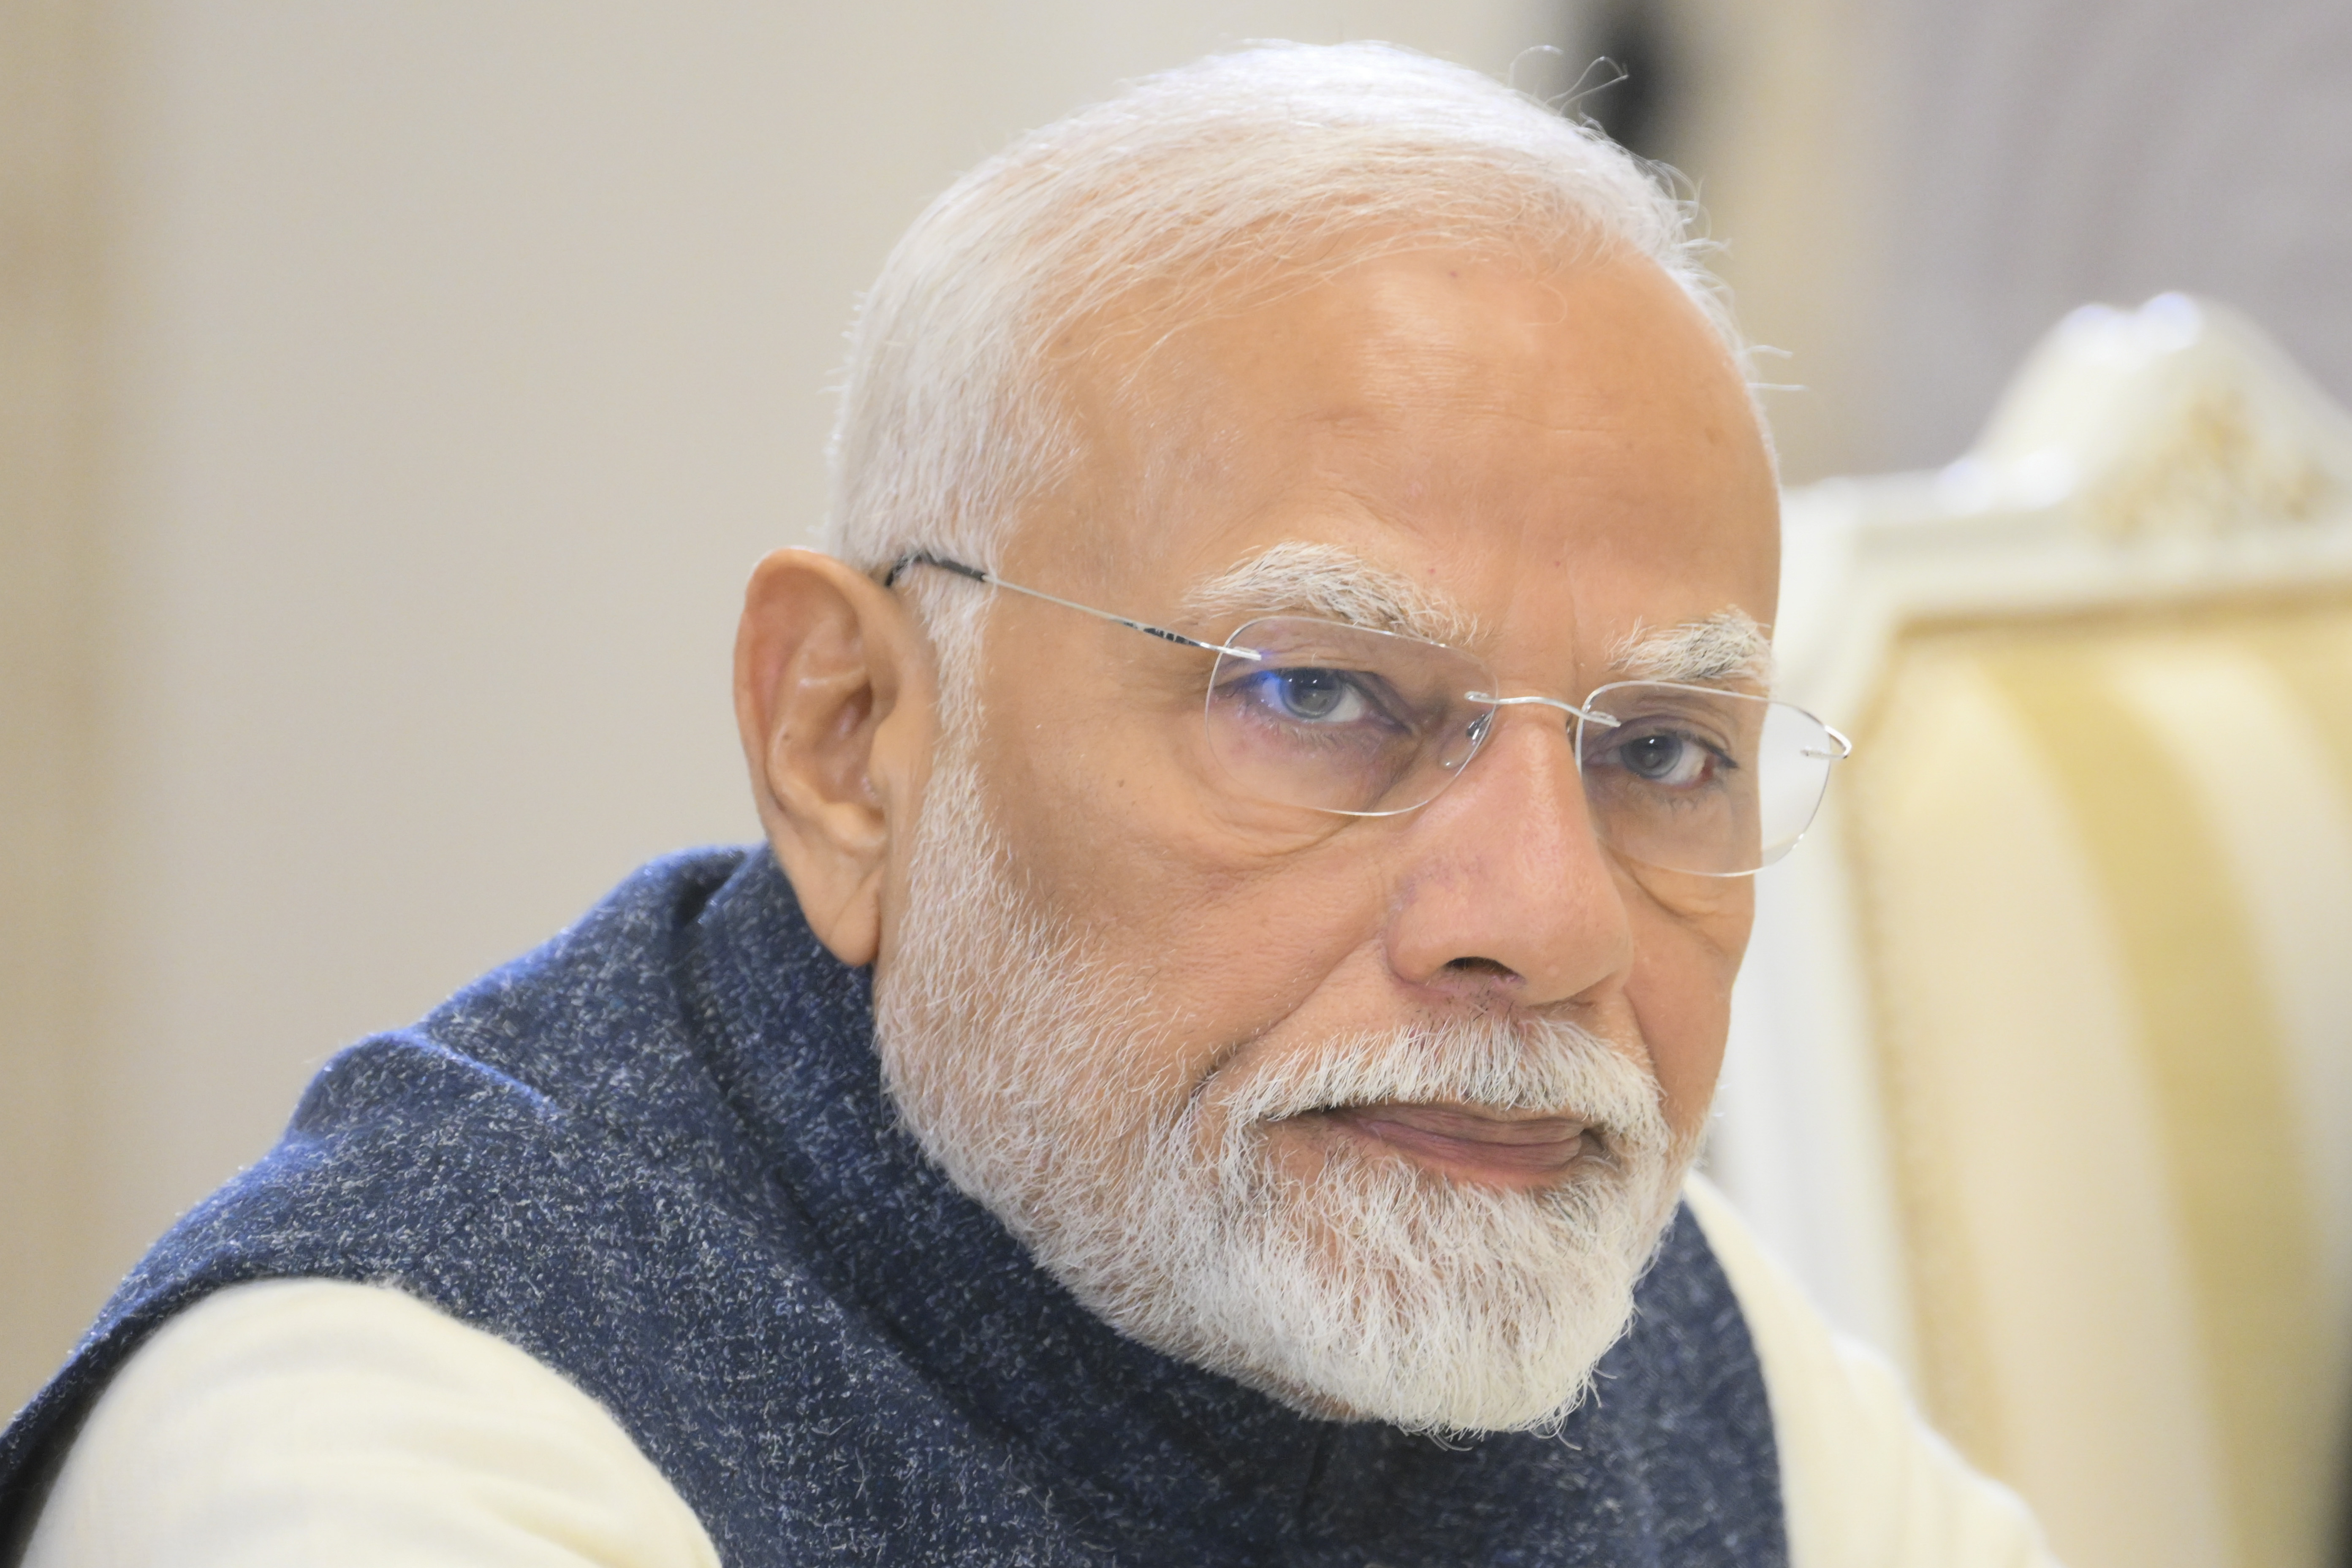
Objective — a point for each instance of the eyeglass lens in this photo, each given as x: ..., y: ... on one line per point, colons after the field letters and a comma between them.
x: 1343, y: 718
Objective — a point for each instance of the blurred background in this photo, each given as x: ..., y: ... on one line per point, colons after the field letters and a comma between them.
x: 394, y: 397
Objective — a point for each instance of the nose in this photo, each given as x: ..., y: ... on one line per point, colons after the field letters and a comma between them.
x: 1507, y: 894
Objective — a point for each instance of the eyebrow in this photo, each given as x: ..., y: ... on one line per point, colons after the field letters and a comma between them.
x: 1334, y: 583
x: 1327, y: 580
x: 1728, y: 645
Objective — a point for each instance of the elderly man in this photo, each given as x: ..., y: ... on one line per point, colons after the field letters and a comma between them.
x: 1203, y: 1071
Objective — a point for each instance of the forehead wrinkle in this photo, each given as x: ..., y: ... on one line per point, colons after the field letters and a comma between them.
x: 1728, y: 645
x: 1336, y: 584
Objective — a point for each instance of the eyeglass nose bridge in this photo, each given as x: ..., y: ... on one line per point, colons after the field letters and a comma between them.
x: 1590, y: 716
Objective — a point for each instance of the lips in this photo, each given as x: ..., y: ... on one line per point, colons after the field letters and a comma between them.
x: 1514, y: 1150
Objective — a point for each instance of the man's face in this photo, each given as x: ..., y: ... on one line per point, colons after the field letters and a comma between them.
x: 1560, y: 466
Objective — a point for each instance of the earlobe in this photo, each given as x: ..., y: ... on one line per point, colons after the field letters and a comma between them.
x: 833, y: 698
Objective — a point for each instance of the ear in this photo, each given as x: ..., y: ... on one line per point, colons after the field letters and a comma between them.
x: 836, y: 701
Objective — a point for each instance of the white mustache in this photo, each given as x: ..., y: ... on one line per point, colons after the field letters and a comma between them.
x: 1522, y: 1068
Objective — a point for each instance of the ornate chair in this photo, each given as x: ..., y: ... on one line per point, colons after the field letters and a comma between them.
x: 2042, y: 1070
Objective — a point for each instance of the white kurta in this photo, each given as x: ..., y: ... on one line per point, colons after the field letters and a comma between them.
x: 291, y: 1423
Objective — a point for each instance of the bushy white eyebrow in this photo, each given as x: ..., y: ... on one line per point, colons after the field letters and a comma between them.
x: 1327, y: 581
x: 1296, y: 577
x: 1727, y: 646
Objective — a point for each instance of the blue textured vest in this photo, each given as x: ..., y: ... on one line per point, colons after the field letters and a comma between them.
x: 656, y: 1156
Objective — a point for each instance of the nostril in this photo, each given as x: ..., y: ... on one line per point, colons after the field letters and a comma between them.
x: 1482, y: 967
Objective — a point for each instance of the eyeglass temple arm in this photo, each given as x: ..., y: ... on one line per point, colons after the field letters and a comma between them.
x: 989, y: 580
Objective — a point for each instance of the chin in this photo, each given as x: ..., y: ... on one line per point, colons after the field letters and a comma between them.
x: 1374, y: 1289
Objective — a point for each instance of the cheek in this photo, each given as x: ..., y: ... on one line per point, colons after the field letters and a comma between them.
x: 1223, y: 918
x: 1680, y: 990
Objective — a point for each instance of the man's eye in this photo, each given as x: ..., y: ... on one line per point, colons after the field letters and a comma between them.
x: 1665, y: 759
x: 1313, y: 697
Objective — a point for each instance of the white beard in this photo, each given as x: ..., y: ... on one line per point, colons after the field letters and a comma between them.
x: 1028, y: 1067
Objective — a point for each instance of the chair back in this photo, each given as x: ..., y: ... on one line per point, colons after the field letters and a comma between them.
x: 2042, y: 1070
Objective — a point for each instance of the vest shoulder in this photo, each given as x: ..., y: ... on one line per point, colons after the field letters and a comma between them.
x: 526, y: 1159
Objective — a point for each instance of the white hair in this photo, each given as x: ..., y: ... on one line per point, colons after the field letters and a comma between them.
x: 1279, y: 161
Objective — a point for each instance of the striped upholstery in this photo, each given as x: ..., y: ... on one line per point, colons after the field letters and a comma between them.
x: 2041, y: 1066
x: 2103, y: 867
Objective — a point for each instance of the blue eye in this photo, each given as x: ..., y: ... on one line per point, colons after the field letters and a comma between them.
x: 1309, y: 695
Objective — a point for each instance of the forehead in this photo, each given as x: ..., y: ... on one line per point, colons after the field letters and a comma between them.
x: 1561, y: 454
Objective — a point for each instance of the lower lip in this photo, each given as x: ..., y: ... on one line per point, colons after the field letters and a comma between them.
x: 1515, y: 1153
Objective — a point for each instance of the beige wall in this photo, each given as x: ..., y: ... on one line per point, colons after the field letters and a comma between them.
x: 457, y: 361
x: 51, y: 641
